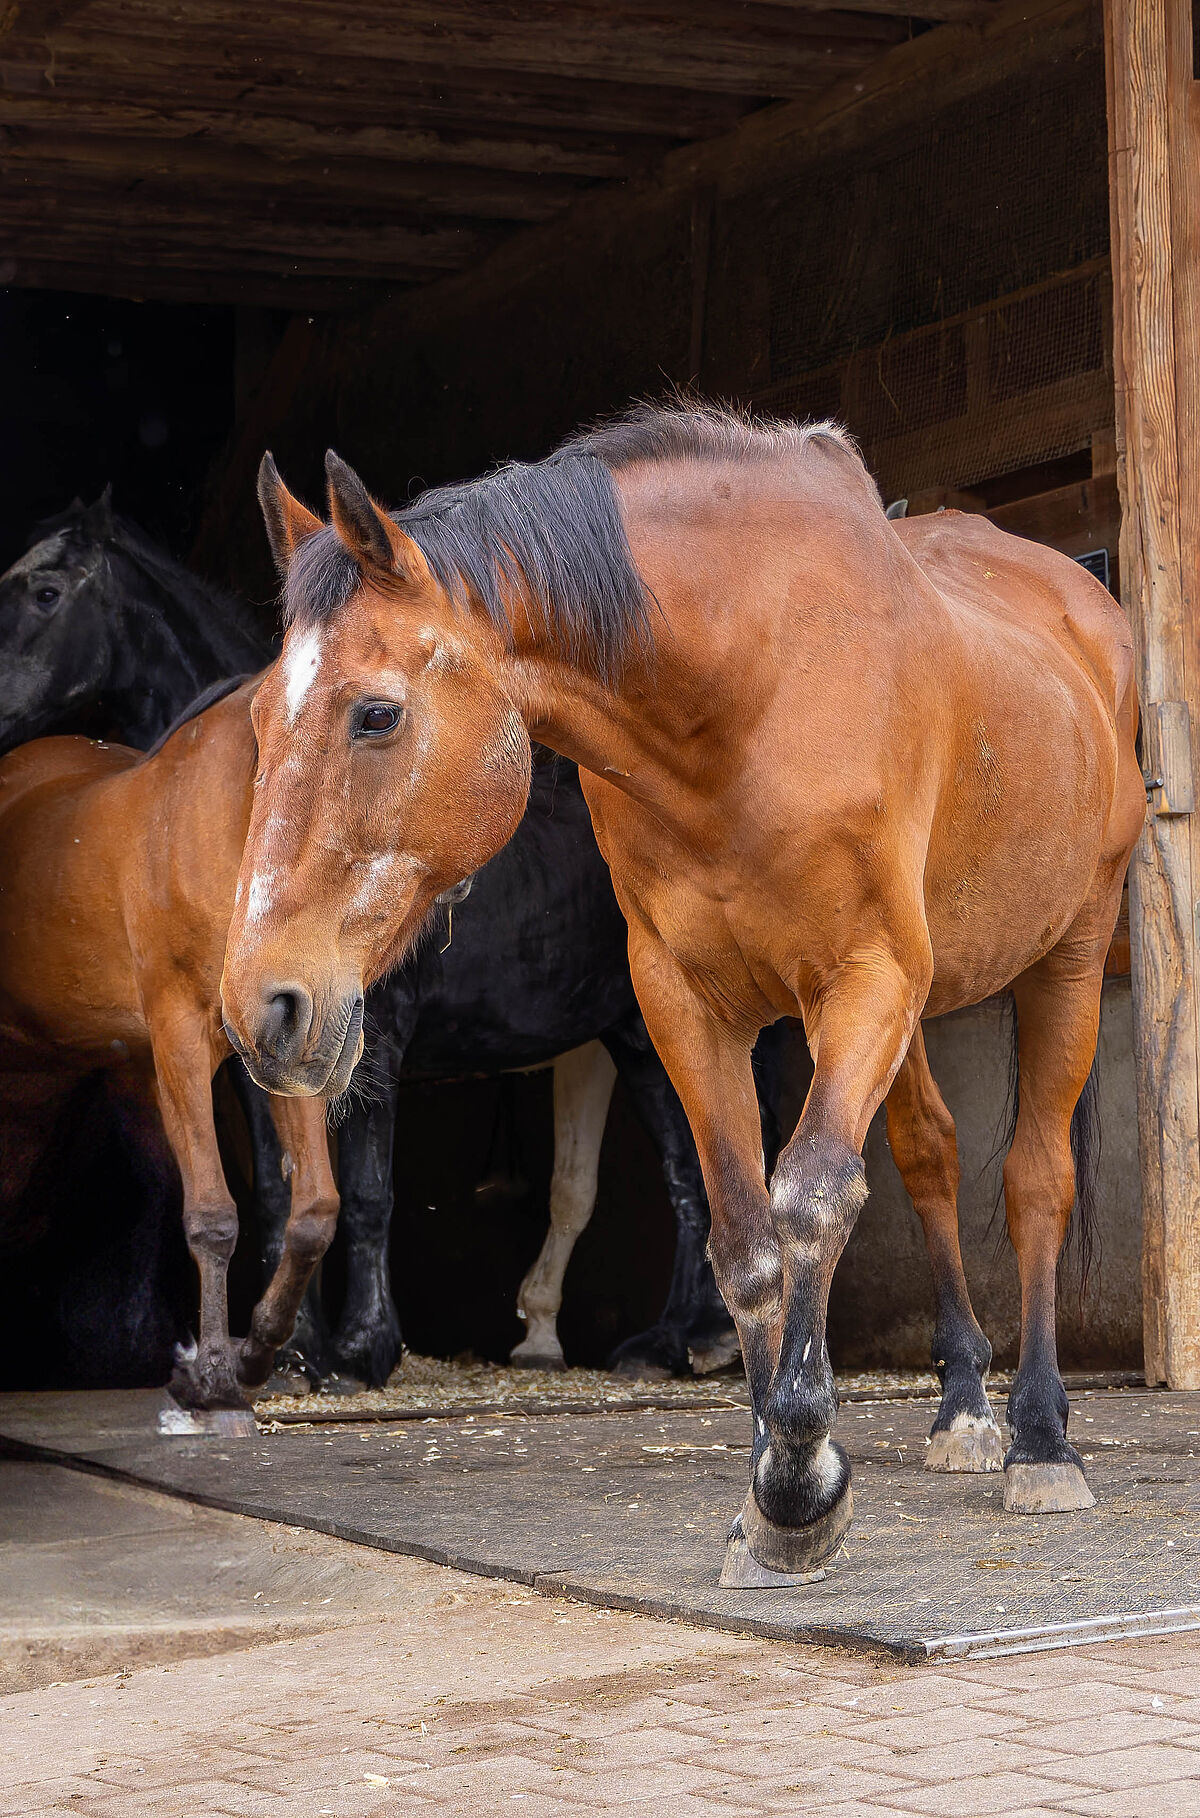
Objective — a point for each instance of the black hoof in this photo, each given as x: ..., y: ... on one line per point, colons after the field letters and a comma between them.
x: 796, y: 1552
x: 742, y: 1572
x: 1046, y: 1489
x: 714, y: 1351
x: 207, y: 1379
x: 652, y: 1356
x: 370, y: 1355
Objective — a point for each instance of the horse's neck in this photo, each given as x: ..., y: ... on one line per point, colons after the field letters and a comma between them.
x: 178, y: 637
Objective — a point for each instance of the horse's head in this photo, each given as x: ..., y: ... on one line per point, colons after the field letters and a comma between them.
x: 54, y: 633
x: 391, y: 764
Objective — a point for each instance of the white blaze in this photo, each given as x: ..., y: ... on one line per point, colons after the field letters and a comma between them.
x: 300, y: 666
x: 259, y: 899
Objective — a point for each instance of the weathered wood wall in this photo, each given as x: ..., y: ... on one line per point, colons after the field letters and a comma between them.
x: 867, y: 254
x: 1155, y: 138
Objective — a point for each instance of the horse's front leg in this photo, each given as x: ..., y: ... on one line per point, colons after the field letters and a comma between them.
x: 307, y: 1347
x: 583, y: 1084
x: 800, y: 1505
x: 184, y: 1064
x: 300, y: 1123
x: 921, y: 1135
x: 708, y: 1060
x: 367, y: 1341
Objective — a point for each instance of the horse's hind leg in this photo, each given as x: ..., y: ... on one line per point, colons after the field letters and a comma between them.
x: 964, y: 1437
x: 694, y: 1328
x: 583, y: 1084
x: 301, y: 1126
x: 1058, y: 1018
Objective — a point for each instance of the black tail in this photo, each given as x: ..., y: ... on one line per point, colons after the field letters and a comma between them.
x: 1083, y: 1233
x: 1085, y: 1152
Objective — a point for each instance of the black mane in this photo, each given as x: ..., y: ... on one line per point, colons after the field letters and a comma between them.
x: 550, y: 532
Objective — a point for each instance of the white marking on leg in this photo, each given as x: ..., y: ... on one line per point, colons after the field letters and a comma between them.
x: 300, y: 665
x: 972, y: 1423
x: 807, y: 1352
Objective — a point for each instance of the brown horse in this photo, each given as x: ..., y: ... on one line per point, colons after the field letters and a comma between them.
x: 859, y: 770
x: 119, y: 872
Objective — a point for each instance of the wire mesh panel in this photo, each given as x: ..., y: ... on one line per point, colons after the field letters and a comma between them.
x: 946, y: 291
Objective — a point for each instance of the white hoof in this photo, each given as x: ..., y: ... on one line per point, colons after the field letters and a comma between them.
x: 975, y: 1445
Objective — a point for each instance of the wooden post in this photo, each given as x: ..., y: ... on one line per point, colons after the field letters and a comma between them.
x: 1154, y: 154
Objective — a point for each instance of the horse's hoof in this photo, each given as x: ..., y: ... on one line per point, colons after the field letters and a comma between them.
x: 794, y: 1551
x: 531, y: 1357
x: 1046, y: 1489
x: 640, y: 1369
x: 970, y: 1444
x: 221, y: 1423
x: 742, y: 1571
x: 716, y: 1353
x: 286, y: 1382
x: 339, y: 1383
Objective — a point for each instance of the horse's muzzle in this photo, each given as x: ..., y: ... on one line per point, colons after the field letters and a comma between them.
x: 289, y: 1052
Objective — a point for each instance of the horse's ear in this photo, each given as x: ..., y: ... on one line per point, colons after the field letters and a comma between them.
x: 375, y: 542
x: 98, y: 517
x: 288, y: 522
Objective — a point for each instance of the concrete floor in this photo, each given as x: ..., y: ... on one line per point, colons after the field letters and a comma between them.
x: 184, y: 1663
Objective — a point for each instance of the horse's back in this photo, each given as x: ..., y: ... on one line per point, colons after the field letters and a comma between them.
x: 64, y: 759
x: 986, y: 570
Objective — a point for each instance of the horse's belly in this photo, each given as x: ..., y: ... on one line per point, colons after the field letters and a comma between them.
x: 991, y: 919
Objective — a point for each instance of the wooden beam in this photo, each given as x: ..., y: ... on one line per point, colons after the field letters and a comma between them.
x: 234, y: 173
x: 1155, y: 177
x: 282, y: 138
x: 54, y: 223
x: 340, y: 97
x: 707, y: 45
x: 155, y: 283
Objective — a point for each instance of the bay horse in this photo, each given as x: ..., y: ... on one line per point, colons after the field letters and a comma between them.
x: 101, y: 630
x: 119, y: 872
x: 857, y: 770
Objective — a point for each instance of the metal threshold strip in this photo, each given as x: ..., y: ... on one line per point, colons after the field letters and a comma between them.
x: 988, y: 1646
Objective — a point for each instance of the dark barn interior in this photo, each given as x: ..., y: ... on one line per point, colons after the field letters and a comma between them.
x: 438, y: 236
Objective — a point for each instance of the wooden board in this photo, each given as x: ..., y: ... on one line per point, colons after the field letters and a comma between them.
x: 1155, y: 173
x: 227, y: 153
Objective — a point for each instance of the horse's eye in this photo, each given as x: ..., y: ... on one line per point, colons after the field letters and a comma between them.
x: 381, y: 717
x: 46, y: 596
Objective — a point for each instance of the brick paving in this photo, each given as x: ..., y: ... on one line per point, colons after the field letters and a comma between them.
x: 472, y: 1697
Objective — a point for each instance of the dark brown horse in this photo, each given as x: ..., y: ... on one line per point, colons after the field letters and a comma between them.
x: 857, y: 770
x: 118, y: 878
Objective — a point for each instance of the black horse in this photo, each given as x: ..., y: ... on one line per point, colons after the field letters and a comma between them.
x: 535, y: 965
x: 103, y: 632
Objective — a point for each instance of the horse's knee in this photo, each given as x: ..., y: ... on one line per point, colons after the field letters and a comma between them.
x: 817, y: 1192
x: 212, y: 1227
x: 749, y: 1273
x: 310, y: 1232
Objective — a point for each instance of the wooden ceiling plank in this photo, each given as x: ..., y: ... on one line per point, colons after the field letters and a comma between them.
x: 731, y: 61
x: 154, y: 283
x: 318, y: 94
x: 242, y: 172
x: 580, y: 154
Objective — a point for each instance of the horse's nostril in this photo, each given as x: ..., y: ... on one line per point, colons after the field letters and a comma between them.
x: 286, y: 1021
